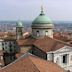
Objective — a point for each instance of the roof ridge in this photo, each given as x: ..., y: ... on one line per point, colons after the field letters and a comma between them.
x: 61, y: 42
x: 42, y: 60
x: 54, y: 40
x: 32, y: 55
x: 34, y: 64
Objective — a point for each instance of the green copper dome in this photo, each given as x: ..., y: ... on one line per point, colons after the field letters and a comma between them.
x: 19, y: 24
x: 42, y: 19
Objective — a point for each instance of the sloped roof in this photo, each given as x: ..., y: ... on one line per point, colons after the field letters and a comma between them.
x: 26, y: 41
x: 47, y: 44
x: 30, y: 63
x: 6, y: 33
x: 62, y: 36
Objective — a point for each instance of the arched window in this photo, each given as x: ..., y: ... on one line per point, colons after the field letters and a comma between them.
x: 37, y: 33
x: 46, y: 33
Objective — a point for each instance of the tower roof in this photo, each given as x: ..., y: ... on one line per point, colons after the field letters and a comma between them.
x: 19, y: 23
x: 42, y: 18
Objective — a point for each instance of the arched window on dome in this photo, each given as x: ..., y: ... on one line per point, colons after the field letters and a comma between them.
x: 37, y: 33
x: 46, y: 33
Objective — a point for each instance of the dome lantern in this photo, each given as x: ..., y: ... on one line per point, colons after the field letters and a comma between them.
x: 42, y: 12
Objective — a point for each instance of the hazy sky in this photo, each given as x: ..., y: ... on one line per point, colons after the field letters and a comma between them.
x: 29, y: 9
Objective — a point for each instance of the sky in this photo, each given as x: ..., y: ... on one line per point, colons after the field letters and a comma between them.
x: 30, y: 9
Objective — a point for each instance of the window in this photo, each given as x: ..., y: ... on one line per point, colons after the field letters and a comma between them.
x: 14, y: 42
x: 5, y: 43
x: 3, y: 48
x: 2, y: 44
x: 6, y: 47
x: 65, y: 58
x: 46, y: 33
x: 14, y: 46
x: 10, y: 47
x: 14, y: 57
x: 11, y: 58
x: 37, y: 33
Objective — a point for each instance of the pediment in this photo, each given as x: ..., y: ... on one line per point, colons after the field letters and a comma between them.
x: 64, y: 49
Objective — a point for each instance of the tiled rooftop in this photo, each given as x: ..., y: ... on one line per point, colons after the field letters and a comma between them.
x: 31, y: 63
x: 47, y: 44
x: 26, y: 41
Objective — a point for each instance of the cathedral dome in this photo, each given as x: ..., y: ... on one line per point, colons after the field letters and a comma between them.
x: 42, y: 19
x: 42, y: 26
x: 19, y: 24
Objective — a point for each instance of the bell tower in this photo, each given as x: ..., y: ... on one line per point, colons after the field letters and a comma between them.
x: 19, y: 30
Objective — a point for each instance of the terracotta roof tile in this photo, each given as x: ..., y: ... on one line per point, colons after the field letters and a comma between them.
x: 62, y: 36
x: 2, y: 34
x: 30, y: 63
x: 45, y: 66
x: 48, y: 44
x: 25, y: 41
x: 18, y: 55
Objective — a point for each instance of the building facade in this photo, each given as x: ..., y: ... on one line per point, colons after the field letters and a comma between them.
x: 55, y: 51
x: 62, y: 57
x: 9, y: 48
